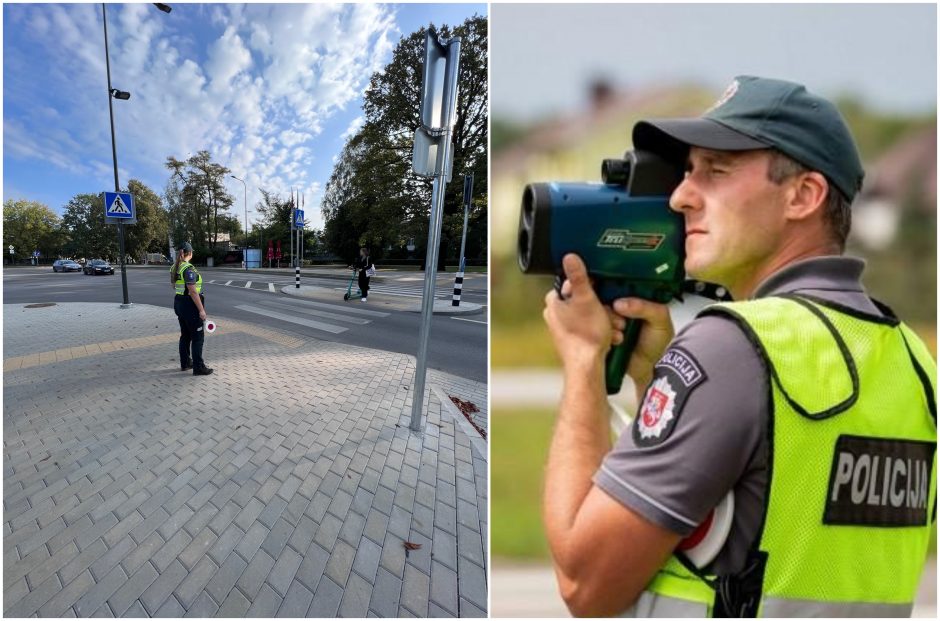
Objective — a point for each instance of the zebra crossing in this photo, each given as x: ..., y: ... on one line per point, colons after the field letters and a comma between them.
x: 403, y: 290
x: 332, y: 318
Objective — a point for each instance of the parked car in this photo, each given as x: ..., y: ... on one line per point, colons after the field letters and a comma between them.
x: 98, y: 266
x: 66, y: 265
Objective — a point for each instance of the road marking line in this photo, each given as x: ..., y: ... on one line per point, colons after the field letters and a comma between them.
x: 228, y: 283
x: 248, y: 285
x: 319, y: 313
x: 346, y: 309
x: 470, y: 320
x: 271, y: 287
x: 317, y: 325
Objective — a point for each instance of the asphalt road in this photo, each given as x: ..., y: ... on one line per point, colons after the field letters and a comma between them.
x: 458, y: 344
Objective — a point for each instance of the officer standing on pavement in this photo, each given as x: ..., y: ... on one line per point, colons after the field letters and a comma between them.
x: 189, y: 305
x: 810, y: 402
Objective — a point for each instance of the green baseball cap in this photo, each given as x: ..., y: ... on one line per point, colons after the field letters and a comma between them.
x: 760, y: 113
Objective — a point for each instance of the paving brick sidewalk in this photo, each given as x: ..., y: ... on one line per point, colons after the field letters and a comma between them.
x: 286, y: 484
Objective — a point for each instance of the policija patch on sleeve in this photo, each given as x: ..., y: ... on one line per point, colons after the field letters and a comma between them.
x: 879, y: 482
x: 675, y: 376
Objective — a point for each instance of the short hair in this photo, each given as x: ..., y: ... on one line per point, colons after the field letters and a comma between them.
x: 837, y: 209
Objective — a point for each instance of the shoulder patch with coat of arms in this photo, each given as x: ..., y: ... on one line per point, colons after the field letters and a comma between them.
x: 675, y: 376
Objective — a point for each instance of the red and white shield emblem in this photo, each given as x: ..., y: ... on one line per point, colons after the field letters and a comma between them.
x: 657, y: 409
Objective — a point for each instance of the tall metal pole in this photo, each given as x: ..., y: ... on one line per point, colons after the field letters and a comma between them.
x: 117, y: 185
x: 246, y: 219
x: 467, y: 197
x: 434, y: 234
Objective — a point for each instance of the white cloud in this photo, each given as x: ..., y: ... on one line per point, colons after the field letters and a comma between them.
x: 256, y: 84
x: 354, y: 127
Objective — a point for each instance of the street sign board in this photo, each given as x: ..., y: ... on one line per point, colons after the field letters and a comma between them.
x: 467, y: 189
x: 299, y: 218
x: 119, y: 207
x: 428, y: 150
x: 11, y: 248
x: 36, y: 253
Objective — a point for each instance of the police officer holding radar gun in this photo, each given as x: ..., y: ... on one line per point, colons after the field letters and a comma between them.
x: 190, y: 310
x: 805, y: 402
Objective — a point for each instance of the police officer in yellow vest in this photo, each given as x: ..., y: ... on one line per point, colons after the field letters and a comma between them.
x: 810, y: 402
x: 190, y: 310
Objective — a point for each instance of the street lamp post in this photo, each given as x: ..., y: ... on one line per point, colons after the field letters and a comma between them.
x: 124, y: 96
x: 246, y: 219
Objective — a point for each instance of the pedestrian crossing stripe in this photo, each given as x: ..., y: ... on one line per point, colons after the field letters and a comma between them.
x: 118, y: 207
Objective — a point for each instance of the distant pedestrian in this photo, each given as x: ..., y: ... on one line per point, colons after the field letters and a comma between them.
x: 190, y: 311
x: 366, y: 269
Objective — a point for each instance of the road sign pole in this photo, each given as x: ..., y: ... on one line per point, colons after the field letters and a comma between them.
x: 448, y: 113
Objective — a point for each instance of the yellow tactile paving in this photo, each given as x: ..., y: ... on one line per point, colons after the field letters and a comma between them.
x: 94, y: 349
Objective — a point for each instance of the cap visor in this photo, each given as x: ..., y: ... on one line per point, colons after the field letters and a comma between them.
x: 671, y: 138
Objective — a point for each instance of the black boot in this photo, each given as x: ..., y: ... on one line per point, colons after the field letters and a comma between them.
x: 204, y: 370
x: 187, y: 365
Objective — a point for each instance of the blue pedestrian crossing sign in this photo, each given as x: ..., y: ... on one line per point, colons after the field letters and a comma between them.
x: 299, y: 218
x: 119, y: 207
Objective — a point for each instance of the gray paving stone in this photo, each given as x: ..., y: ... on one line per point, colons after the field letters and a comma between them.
x: 203, y: 607
x: 197, y: 549
x: 28, y: 604
x: 252, y: 541
x: 156, y: 501
x: 25, y: 565
x: 422, y: 520
x: 105, y: 564
x: 104, y: 611
x: 136, y: 611
x: 326, y: 599
x: 235, y: 605
x: 295, y: 509
x: 328, y: 532
x: 195, y: 582
x: 265, y: 604
x: 149, y: 525
x: 420, y: 557
x: 393, y: 555
x: 141, y: 554
x: 296, y: 602
x: 249, y: 513
x: 88, y: 603
x: 158, y: 592
x: 340, y: 562
x: 224, y: 579
x: 303, y: 534
x: 312, y: 567
x: 272, y: 511
x: 14, y: 592
x: 165, y: 556
x: 376, y: 526
x: 467, y: 609
x: 285, y: 568
x: 470, y: 544
x: 318, y: 506
x: 122, y: 529
x: 355, y: 602
x: 131, y: 589
x: 225, y: 544
x: 200, y: 519
x: 471, y: 582
x: 224, y: 517
x: 444, y: 587
x: 247, y: 490
x: 415, y: 591
x: 170, y: 609
x: 352, y: 528
x: 41, y: 537
x: 368, y: 555
x: 385, y: 594
x: 276, y: 540
x: 445, y: 518
x: 255, y: 574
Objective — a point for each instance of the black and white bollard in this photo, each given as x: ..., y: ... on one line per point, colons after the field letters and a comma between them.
x: 458, y: 287
x: 297, y: 277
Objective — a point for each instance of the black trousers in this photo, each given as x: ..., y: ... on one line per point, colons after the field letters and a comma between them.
x: 192, y: 335
x: 363, y: 283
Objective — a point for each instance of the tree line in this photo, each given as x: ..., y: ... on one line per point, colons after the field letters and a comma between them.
x: 373, y: 198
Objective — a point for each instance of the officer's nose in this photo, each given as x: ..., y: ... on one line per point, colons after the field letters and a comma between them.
x: 686, y: 196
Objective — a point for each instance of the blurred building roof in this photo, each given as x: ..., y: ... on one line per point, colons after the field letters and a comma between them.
x: 908, y: 170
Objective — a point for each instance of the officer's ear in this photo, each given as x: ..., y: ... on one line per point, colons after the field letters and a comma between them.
x: 806, y: 195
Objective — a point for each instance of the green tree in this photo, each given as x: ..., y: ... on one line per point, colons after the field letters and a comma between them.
x: 373, y: 198
x: 29, y: 226
x: 196, y: 198
x: 149, y: 234
x: 89, y: 236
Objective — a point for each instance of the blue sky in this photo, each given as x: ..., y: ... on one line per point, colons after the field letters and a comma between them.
x: 885, y: 54
x: 271, y: 90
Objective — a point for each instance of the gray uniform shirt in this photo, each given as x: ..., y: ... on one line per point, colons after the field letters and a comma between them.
x: 716, y: 439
